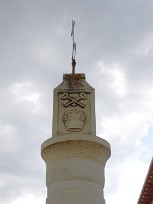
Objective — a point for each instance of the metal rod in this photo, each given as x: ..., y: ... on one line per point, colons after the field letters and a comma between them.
x: 73, y: 48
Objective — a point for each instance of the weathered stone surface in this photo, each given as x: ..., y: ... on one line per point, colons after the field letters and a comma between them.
x: 74, y: 106
x: 75, y: 157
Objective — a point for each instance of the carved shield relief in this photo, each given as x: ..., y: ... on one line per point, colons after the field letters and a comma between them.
x: 73, y: 112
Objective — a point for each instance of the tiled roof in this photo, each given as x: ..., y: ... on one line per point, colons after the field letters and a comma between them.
x: 146, y: 196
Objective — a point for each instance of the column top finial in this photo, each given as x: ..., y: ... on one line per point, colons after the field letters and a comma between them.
x: 73, y: 48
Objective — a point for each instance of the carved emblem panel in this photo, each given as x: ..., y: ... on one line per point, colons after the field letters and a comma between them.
x: 74, y: 119
x: 73, y: 105
x: 74, y: 114
x: 74, y: 100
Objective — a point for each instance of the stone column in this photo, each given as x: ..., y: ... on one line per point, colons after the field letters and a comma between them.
x: 75, y: 157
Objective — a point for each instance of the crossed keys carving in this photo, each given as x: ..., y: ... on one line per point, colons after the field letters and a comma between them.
x: 74, y: 102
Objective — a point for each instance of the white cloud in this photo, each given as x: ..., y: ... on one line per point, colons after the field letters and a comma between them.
x: 25, y: 92
x: 29, y: 198
x: 115, y: 77
x: 131, y: 179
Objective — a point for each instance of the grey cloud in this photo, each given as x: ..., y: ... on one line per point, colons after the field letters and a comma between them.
x: 36, y: 48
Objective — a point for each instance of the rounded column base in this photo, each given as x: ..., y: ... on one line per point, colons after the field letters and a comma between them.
x: 75, y: 169
x: 75, y: 192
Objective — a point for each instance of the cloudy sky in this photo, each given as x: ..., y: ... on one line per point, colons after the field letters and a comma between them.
x: 114, y: 49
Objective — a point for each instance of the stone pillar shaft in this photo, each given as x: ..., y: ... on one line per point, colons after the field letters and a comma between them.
x: 75, y: 169
x: 75, y: 157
